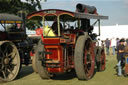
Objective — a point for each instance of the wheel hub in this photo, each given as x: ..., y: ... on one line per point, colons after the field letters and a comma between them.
x: 6, y: 61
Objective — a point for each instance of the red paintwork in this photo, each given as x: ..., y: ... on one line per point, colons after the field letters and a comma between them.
x: 54, y: 45
x: 57, y: 54
x: 31, y: 53
x: 50, y: 12
x: 39, y: 31
x: 51, y: 40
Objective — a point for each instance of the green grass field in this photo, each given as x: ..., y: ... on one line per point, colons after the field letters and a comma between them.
x: 107, y: 77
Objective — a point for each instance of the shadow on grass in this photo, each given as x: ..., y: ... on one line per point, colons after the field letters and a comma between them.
x: 25, y: 71
x: 69, y: 75
x: 65, y: 76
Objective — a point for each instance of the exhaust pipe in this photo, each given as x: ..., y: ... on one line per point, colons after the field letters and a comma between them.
x: 22, y: 14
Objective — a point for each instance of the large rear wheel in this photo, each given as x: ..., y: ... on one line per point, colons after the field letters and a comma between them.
x: 9, y: 61
x: 84, y: 59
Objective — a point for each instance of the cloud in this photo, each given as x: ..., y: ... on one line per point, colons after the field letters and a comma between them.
x: 70, y: 5
x: 126, y: 3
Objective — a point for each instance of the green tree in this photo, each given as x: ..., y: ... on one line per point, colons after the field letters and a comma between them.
x: 14, y: 6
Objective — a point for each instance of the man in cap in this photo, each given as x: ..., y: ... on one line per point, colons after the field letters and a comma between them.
x: 120, y: 57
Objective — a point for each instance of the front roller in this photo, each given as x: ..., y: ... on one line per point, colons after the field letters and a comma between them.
x: 41, y: 69
x: 84, y: 59
x: 9, y: 61
x: 34, y: 62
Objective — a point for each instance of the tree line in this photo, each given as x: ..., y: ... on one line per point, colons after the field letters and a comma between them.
x: 15, y: 6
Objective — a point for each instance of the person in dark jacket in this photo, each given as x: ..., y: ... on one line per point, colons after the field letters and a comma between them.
x: 120, y: 56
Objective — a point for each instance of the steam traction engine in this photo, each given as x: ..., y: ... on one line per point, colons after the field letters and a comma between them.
x: 68, y: 43
x: 15, y: 46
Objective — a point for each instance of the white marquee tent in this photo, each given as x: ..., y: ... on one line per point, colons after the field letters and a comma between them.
x: 116, y: 31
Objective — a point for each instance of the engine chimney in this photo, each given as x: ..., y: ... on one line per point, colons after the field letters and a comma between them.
x: 22, y: 14
x: 86, y: 9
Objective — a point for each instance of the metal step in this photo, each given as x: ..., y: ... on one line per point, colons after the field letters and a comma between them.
x: 52, y: 62
x: 53, y: 66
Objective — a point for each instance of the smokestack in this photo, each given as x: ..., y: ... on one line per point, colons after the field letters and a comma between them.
x: 22, y: 14
x: 86, y: 9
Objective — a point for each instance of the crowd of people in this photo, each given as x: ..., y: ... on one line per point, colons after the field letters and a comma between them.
x: 112, y: 43
x: 119, y: 49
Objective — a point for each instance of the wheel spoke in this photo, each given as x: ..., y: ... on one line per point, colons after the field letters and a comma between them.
x: 5, y: 50
x: 10, y: 68
x: 2, y: 66
x: 12, y: 57
x: 86, y: 69
x: 12, y: 65
x: 4, y: 75
x: 6, y: 54
x: 2, y: 53
x: 10, y: 54
x: 10, y: 71
x: 14, y: 54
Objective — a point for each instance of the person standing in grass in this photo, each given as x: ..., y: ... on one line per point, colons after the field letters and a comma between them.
x: 102, y: 44
x: 117, y: 45
x: 117, y: 42
x: 113, y: 44
x: 120, y: 57
x: 107, y: 43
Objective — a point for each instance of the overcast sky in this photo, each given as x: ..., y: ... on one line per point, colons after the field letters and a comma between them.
x: 117, y: 10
